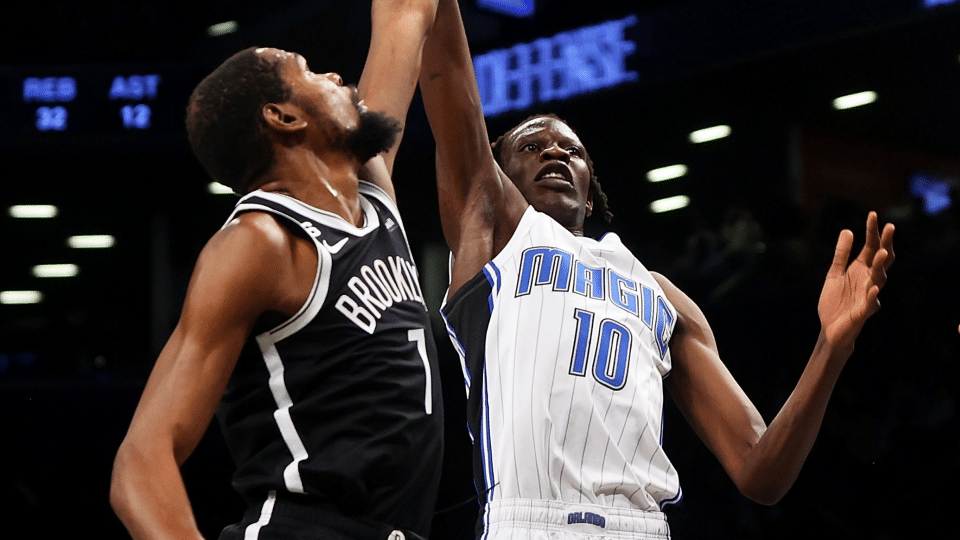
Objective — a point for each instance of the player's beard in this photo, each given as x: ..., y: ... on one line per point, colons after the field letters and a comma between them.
x: 376, y: 133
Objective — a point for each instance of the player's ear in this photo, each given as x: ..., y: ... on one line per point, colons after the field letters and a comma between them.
x: 283, y: 117
x: 589, y: 203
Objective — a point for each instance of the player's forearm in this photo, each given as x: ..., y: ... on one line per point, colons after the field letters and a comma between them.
x: 775, y: 461
x: 148, y: 495
x: 398, y: 31
x: 464, y: 160
x: 450, y: 94
x: 389, y: 78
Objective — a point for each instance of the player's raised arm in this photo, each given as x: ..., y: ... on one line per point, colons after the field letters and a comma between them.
x: 764, y: 461
x: 479, y: 206
x: 389, y: 78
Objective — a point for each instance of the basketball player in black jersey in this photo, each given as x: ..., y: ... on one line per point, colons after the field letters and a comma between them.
x: 543, y: 164
x: 303, y: 326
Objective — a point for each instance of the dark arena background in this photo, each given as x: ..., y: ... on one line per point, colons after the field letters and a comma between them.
x: 92, y: 96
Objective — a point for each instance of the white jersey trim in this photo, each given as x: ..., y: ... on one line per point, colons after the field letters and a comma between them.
x: 267, y: 340
x: 371, y: 220
x: 252, y: 531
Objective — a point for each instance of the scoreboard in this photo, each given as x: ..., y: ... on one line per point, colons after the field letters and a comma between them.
x: 111, y: 104
x: 133, y: 95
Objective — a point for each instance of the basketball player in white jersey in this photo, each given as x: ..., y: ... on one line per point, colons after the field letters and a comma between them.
x: 568, y: 343
x: 303, y: 326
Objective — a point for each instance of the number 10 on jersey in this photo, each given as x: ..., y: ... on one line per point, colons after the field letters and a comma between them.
x: 612, y: 350
x: 610, y: 343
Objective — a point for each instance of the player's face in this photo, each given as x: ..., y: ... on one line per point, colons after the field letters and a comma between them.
x: 337, y: 118
x: 323, y: 94
x: 545, y: 159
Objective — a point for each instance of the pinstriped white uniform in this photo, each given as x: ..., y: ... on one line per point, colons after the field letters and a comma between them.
x: 563, y: 342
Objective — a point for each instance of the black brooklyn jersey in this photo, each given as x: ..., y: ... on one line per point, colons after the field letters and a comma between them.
x: 341, y: 403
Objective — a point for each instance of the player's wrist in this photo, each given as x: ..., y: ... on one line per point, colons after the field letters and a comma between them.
x: 835, y: 346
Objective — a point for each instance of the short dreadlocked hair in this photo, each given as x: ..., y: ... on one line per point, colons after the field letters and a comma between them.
x: 600, y: 204
x: 224, y: 125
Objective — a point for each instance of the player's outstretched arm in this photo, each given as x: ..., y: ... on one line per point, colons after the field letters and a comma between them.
x: 765, y: 461
x: 225, y: 297
x: 479, y: 206
x: 391, y: 70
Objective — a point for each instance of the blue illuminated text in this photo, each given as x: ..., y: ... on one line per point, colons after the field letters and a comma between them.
x: 554, y: 68
x: 51, y: 118
x: 515, y: 8
x: 134, y: 87
x: 49, y: 89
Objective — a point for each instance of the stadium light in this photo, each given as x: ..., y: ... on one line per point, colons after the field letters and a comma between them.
x: 222, y: 29
x: 710, y: 134
x: 217, y: 188
x: 33, y: 211
x: 854, y: 100
x: 91, y: 241
x: 666, y: 173
x: 55, y: 270
x: 670, y: 203
x: 20, y: 297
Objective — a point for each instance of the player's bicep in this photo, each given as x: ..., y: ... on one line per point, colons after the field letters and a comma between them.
x: 704, y: 390
x: 180, y: 398
x: 236, y: 279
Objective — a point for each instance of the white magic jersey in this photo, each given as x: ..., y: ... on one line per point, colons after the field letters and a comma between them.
x: 563, y: 341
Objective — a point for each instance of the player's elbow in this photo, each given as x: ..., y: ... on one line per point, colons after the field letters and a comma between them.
x: 120, y: 481
x: 129, y: 480
x: 765, y: 489
x: 426, y: 9
x: 762, y: 485
x: 422, y: 13
x: 766, y: 497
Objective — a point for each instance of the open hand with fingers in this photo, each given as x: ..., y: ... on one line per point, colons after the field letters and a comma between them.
x: 849, y: 295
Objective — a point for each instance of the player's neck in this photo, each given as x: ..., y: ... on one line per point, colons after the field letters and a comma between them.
x: 328, y: 184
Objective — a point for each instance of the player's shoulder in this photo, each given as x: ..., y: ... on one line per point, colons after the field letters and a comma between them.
x: 254, y: 260
x: 687, y: 308
x: 250, y: 235
x: 661, y: 279
x: 674, y: 294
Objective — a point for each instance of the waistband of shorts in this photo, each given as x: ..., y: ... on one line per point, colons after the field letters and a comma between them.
x: 555, y: 515
x: 308, y: 510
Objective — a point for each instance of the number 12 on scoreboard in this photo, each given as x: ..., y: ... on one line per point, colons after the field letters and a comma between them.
x: 135, y: 116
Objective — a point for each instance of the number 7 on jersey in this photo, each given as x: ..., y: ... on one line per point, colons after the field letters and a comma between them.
x: 420, y: 338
